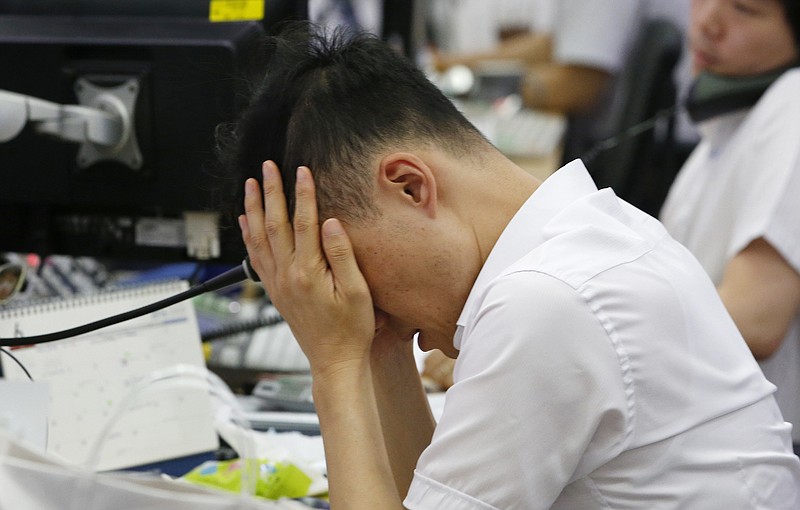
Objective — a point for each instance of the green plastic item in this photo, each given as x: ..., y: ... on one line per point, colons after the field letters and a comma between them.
x: 275, y: 480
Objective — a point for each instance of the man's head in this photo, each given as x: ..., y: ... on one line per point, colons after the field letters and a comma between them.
x: 423, y: 196
x: 743, y: 37
x: 333, y: 104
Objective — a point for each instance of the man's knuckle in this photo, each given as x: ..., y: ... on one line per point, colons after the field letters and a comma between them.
x: 272, y: 228
x: 270, y: 190
x: 302, y: 225
x: 254, y: 241
x: 302, y: 279
x: 338, y: 252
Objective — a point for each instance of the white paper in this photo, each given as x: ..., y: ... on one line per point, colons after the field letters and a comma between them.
x: 91, y: 375
x: 23, y: 411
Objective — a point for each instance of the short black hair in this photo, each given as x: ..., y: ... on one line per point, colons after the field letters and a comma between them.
x: 330, y: 102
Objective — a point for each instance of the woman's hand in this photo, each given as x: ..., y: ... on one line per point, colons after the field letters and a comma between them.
x: 310, y: 273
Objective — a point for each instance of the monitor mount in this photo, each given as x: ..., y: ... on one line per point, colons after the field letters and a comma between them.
x: 102, y: 122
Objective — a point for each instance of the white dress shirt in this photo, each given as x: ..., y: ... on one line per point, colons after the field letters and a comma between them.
x: 742, y: 183
x: 598, y: 369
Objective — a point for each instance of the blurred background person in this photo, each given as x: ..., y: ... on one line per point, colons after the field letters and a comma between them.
x: 398, y: 22
x: 735, y: 202
x: 572, y: 52
x: 464, y: 31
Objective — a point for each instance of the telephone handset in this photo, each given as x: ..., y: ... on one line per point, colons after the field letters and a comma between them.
x: 710, y: 95
x: 714, y: 94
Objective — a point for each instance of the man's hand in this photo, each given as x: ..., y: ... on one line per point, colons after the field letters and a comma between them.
x: 310, y: 273
x: 312, y: 277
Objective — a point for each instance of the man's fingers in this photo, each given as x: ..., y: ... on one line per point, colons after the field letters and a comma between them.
x: 339, y: 253
x: 248, y: 242
x: 276, y: 225
x: 306, y: 220
x: 255, y: 242
x: 253, y: 221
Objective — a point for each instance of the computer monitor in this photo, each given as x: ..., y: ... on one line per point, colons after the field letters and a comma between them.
x: 399, y: 25
x: 180, y: 74
x: 274, y: 11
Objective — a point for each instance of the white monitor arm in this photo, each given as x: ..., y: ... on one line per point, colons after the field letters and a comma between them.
x: 102, y: 123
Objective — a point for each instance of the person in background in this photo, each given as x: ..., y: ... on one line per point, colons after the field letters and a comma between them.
x: 597, y: 367
x: 735, y: 204
x: 572, y: 67
x: 354, y: 14
x: 460, y: 31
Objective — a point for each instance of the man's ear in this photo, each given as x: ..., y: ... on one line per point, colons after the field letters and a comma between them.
x: 408, y: 177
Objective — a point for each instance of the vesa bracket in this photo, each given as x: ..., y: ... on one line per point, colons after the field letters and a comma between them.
x: 102, y: 122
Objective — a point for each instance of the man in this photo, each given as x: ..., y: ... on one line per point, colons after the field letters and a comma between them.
x: 596, y: 366
x: 735, y: 202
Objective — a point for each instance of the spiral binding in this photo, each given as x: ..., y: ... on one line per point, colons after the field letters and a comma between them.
x: 108, y: 295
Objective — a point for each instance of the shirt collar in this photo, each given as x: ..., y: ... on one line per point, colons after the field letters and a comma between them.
x: 524, y: 232
x: 717, y: 131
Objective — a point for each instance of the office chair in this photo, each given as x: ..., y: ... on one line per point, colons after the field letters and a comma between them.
x: 640, y: 164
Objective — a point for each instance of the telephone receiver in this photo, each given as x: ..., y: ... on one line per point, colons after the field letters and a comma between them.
x: 713, y: 94
x: 710, y: 95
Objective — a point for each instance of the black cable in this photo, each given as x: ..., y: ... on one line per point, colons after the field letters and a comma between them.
x: 18, y: 362
x: 628, y: 133
x: 230, y: 277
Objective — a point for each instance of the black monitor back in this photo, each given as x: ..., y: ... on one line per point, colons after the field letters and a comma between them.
x: 275, y: 11
x: 188, y: 70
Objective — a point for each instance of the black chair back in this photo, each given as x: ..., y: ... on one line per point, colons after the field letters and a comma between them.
x: 636, y: 162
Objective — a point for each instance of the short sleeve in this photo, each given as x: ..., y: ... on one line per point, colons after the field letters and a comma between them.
x: 538, y: 402
x: 771, y: 204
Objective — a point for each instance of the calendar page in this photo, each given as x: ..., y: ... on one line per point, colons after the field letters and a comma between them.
x: 90, y: 375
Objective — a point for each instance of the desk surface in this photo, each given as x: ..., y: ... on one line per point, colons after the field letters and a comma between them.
x: 306, y: 423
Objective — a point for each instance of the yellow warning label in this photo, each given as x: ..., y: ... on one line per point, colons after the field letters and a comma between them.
x: 236, y: 10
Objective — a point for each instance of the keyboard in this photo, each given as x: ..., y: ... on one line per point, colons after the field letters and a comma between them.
x: 286, y: 393
x: 530, y: 133
x: 522, y: 132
